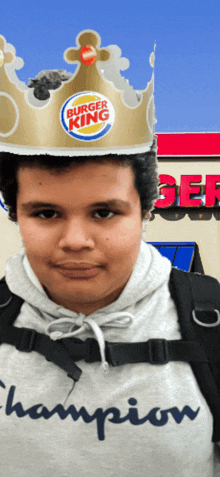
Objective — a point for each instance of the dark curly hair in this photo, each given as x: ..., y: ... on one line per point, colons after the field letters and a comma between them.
x: 143, y: 165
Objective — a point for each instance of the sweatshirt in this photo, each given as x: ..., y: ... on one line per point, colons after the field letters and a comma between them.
x: 131, y: 420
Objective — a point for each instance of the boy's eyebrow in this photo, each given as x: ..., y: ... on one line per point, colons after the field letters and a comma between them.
x: 113, y: 203
x: 32, y: 205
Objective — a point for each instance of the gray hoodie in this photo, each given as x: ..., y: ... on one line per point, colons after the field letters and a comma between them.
x: 132, y: 420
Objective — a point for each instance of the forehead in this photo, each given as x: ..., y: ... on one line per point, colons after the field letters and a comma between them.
x: 76, y: 181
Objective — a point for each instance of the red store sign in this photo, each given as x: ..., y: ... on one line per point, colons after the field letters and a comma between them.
x: 189, y: 194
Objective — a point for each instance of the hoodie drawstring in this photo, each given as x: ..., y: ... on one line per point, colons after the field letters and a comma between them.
x: 112, y: 320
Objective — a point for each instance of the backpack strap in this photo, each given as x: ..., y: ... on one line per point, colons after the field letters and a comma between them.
x: 10, y: 302
x: 197, y: 298
x: 26, y: 339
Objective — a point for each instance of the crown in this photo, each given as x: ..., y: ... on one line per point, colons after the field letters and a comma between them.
x: 91, y: 112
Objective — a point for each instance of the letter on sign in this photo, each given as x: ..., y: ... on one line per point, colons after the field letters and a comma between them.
x: 211, y: 191
x: 186, y: 189
x: 168, y: 192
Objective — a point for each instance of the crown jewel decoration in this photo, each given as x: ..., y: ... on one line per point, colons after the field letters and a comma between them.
x: 91, y: 112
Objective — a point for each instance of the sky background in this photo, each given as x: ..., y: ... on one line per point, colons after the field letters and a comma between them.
x: 187, y: 35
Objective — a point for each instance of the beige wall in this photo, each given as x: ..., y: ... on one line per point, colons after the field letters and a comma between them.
x: 200, y: 225
x: 183, y: 166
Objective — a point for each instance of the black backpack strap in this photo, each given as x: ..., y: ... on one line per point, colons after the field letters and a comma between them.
x: 197, y: 298
x: 25, y: 339
x: 10, y: 304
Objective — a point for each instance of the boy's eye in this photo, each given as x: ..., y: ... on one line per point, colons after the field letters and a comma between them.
x: 46, y: 214
x: 105, y: 213
x: 52, y: 214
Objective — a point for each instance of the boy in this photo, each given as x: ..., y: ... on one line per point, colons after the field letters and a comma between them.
x: 87, y: 279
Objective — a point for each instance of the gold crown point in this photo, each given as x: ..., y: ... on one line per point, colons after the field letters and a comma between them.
x: 89, y: 37
x: 88, y: 50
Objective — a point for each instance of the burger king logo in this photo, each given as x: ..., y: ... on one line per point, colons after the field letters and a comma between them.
x: 87, y: 116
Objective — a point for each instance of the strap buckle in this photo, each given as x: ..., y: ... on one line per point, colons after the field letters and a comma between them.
x: 158, y: 351
x: 27, y: 340
x: 201, y: 323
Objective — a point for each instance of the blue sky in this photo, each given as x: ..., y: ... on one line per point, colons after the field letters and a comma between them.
x: 187, y: 34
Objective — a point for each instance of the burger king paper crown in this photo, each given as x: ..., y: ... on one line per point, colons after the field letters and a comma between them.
x: 91, y: 112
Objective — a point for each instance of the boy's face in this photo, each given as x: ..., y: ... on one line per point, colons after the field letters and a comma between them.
x: 81, y: 229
